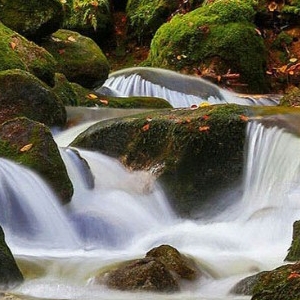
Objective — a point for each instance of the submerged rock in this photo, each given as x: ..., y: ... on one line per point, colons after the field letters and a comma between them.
x: 10, y: 274
x: 147, y: 274
x: 183, y: 266
x: 31, y: 144
x: 161, y: 270
x: 79, y: 58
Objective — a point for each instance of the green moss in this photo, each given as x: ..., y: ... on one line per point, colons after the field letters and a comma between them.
x: 18, y: 53
x: 221, y: 30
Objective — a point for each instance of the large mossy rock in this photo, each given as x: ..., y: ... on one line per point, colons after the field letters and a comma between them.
x: 22, y: 94
x: 196, y: 153
x: 16, y: 52
x: 31, y: 144
x: 282, y: 283
x: 79, y: 58
x: 90, y: 18
x: 33, y: 19
x: 215, y: 39
x: 10, y: 274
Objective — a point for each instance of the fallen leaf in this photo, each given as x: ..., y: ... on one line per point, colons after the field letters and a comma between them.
x: 146, y: 127
x: 149, y: 119
x: 244, y: 118
x: 92, y: 96
x: 203, y: 128
x: 71, y: 39
x: 204, y: 103
x: 293, y: 275
x: 95, y: 3
x: 293, y: 59
x: 13, y: 45
x: 205, y: 117
x: 178, y: 57
x: 26, y: 148
x: 61, y: 51
x: 258, y: 31
x: 272, y: 6
x: 103, y: 101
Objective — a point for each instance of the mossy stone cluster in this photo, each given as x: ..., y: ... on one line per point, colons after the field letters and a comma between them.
x: 219, y: 36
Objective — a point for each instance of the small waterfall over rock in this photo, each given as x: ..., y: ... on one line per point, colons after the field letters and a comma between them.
x: 178, y: 89
x: 31, y: 215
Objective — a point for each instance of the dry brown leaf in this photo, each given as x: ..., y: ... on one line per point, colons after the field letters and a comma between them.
x: 104, y: 101
x: 13, y: 45
x: 146, y: 127
x: 203, y: 128
x: 26, y: 148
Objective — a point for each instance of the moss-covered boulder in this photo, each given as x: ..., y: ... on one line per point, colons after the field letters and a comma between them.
x: 294, y: 250
x: 10, y: 274
x: 79, y: 58
x: 31, y: 144
x: 196, y: 153
x: 16, y: 52
x: 184, y: 267
x: 90, y: 18
x: 33, y: 19
x: 22, y: 94
x: 214, y: 40
x: 282, y: 283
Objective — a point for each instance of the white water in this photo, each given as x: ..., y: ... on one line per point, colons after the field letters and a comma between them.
x: 178, y: 89
x: 126, y: 214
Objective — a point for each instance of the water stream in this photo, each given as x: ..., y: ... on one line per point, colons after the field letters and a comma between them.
x: 117, y: 215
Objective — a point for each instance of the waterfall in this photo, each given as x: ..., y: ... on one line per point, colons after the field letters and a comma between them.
x: 178, y: 89
x: 116, y: 215
x: 31, y: 215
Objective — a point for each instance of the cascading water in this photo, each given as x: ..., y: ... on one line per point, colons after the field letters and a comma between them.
x: 117, y: 215
x: 178, y: 89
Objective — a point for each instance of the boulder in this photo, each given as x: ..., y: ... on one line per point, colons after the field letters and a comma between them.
x: 33, y: 19
x: 195, y: 153
x: 161, y: 270
x: 31, y: 144
x: 147, y: 274
x: 79, y: 58
x: 10, y: 274
x: 16, y: 52
x: 24, y: 95
x: 182, y: 266
x: 214, y: 40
